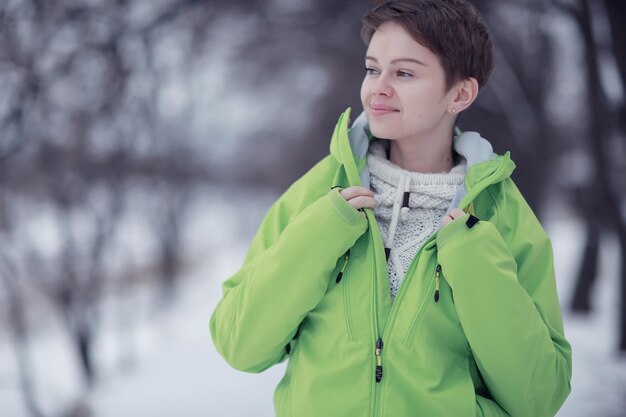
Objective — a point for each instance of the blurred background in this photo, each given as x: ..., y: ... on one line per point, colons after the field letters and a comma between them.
x: 143, y: 141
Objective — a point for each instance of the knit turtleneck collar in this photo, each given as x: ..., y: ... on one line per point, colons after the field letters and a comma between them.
x: 398, y: 190
x: 377, y: 159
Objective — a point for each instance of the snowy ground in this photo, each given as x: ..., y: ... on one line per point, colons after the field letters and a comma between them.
x: 174, y: 369
x: 599, y: 375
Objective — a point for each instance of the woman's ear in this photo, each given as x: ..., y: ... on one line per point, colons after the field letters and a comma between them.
x: 466, y: 92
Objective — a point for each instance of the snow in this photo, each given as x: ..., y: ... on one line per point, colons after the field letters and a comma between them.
x: 186, y: 376
x: 598, y: 374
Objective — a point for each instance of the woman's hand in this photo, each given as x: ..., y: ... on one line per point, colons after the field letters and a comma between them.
x: 454, y: 213
x: 359, y: 197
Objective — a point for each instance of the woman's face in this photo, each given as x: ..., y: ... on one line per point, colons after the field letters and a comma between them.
x: 403, y: 93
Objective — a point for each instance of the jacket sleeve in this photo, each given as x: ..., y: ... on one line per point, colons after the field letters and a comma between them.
x: 509, y: 310
x: 284, y: 276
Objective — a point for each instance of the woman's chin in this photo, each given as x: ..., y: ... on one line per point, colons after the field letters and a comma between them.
x: 382, y: 133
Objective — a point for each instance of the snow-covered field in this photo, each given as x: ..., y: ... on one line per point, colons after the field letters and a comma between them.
x: 164, y: 364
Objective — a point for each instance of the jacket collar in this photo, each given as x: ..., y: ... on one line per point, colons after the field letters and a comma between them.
x: 349, y: 146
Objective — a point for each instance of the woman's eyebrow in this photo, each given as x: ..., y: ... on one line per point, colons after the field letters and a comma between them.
x: 398, y: 60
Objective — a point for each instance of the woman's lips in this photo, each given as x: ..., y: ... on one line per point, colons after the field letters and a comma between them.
x: 379, y: 110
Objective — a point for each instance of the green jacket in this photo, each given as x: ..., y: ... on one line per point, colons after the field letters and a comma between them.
x: 314, y: 288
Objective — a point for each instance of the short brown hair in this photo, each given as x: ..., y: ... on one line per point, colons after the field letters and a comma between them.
x: 452, y: 29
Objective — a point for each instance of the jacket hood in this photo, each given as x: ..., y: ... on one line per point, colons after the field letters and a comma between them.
x: 349, y: 146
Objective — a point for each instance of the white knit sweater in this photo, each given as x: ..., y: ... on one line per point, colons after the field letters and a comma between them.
x: 404, y: 230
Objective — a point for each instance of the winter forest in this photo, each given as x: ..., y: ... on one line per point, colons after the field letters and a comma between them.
x: 143, y: 141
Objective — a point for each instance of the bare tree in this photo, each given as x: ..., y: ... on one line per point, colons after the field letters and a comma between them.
x: 19, y: 332
x: 78, y: 126
x: 601, y: 202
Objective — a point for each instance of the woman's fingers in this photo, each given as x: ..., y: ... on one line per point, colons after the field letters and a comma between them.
x: 456, y: 212
x: 355, y: 191
x: 359, y: 197
x: 453, y: 214
x: 363, y: 201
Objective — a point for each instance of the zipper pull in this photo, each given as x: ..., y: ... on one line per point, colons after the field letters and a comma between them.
x: 340, y: 275
x: 437, y: 272
x: 379, y: 360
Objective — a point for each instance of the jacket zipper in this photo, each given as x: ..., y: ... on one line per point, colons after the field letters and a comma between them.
x: 394, y: 308
x: 378, y: 352
x: 379, y: 360
x: 345, y: 293
x: 345, y: 262
x: 393, y: 313
x: 437, y: 273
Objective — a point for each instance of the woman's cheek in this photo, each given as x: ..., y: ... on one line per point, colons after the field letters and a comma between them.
x: 364, y: 94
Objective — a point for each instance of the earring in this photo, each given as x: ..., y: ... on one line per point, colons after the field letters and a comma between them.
x: 453, y: 111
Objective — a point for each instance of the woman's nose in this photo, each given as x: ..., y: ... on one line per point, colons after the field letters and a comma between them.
x: 381, y: 86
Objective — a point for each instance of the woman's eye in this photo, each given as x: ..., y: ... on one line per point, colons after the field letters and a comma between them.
x: 370, y: 70
x: 404, y: 74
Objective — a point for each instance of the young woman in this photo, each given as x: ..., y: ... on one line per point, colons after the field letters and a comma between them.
x: 404, y: 274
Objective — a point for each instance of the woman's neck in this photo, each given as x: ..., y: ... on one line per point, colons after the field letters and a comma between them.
x: 422, y: 156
